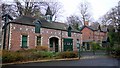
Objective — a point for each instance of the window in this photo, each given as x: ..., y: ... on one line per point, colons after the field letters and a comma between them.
x: 37, y: 27
x: 24, y: 41
x: 78, y: 41
x: 38, y: 40
x: 69, y: 31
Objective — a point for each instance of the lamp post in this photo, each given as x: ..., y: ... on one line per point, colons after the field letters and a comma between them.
x: 78, y: 47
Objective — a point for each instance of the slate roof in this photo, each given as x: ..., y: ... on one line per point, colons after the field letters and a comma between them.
x: 26, y: 20
x: 48, y: 12
x: 89, y: 27
x: 104, y: 29
x: 95, y: 27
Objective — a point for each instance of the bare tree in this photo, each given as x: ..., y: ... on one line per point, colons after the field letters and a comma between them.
x: 29, y: 8
x: 111, y: 18
x: 8, y: 9
x: 56, y: 9
x: 84, y: 8
x: 25, y: 7
x: 74, y: 21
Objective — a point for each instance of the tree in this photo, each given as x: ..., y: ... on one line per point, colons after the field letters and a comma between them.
x: 74, y: 21
x: 19, y: 8
x: 84, y: 8
x: 112, y: 18
x: 8, y: 9
x: 26, y: 7
x: 55, y: 8
x: 29, y: 8
x: 95, y: 46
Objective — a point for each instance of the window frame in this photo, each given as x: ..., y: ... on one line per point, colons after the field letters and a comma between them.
x: 37, y: 26
x: 23, y: 41
x: 37, y: 40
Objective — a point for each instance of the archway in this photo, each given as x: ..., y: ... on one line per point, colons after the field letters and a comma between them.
x: 53, y: 42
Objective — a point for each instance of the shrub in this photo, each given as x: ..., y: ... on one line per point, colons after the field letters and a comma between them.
x: 42, y: 48
x: 116, y: 51
x: 10, y: 56
x: 68, y: 54
x: 33, y: 54
x: 0, y: 52
x: 46, y: 54
x: 95, y: 46
x: 26, y: 50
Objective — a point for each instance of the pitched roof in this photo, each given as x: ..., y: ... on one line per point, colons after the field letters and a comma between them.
x: 104, y: 29
x: 48, y: 12
x: 89, y: 27
x: 26, y: 20
x: 95, y: 27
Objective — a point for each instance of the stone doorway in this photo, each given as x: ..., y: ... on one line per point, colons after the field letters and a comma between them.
x: 54, y: 44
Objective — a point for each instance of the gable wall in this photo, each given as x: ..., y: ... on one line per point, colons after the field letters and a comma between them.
x: 87, y: 34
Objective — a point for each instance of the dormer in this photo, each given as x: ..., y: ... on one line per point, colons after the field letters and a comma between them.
x: 37, y: 26
x: 69, y: 31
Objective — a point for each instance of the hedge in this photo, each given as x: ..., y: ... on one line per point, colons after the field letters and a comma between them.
x: 33, y: 54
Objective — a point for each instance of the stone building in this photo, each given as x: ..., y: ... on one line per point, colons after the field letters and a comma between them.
x: 28, y: 32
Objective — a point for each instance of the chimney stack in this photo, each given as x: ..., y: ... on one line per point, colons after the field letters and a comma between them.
x: 86, y: 23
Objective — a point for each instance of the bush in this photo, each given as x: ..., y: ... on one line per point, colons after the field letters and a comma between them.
x: 33, y: 54
x: 68, y: 54
x: 46, y: 54
x: 116, y: 51
x: 9, y: 56
x: 0, y: 52
x: 95, y: 46
x: 42, y: 48
x: 27, y: 55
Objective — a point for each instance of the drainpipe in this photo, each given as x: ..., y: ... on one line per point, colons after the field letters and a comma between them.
x: 61, y: 40
x: 6, y: 16
x: 5, y: 29
x: 8, y: 36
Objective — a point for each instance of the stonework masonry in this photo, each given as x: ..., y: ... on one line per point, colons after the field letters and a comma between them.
x: 17, y: 30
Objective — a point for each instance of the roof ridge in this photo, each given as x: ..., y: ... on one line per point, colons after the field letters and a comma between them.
x: 59, y: 23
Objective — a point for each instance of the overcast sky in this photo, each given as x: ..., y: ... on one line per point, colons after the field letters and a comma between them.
x: 98, y: 7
